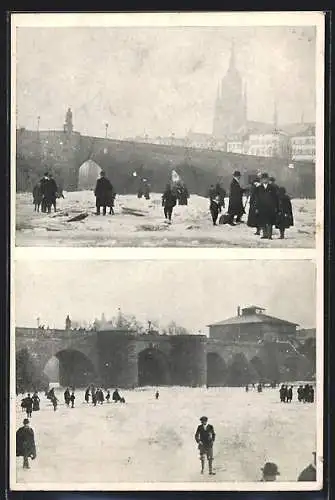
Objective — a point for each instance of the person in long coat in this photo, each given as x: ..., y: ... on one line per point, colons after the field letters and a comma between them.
x: 103, y: 190
x: 253, y: 219
x: 205, y: 437
x: 169, y: 200
x: 285, y: 213
x: 267, y: 205
x: 25, y: 443
x: 37, y: 196
x: 36, y: 402
x: 235, y: 207
x: 52, y: 192
x: 44, y: 191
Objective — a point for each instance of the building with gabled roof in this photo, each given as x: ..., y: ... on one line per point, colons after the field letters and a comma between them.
x: 252, y: 324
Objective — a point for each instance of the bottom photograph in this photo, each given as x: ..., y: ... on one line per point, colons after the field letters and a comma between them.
x: 131, y: 372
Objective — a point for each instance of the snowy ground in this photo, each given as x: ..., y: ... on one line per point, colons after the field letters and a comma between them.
x: 148, y: 440
x: 191, y: 225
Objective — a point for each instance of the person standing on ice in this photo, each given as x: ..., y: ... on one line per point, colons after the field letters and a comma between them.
x: 157, y: 395
x: 72, y: 399
x: 102, y: 192
x: 205, y: 437
x: 67, y: 396
x: 235, y: 207
x: 214, y: 204
x: 108, y: 395
x: 87, y: 395
x: 25, y: 443
x: 169, y: 200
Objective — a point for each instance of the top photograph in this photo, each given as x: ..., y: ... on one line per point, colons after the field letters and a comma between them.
x: 165, y: 135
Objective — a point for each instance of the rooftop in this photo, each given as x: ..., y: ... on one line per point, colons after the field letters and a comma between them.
x: 252, y: 314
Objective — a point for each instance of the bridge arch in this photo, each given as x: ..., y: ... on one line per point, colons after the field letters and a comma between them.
x: 240, y: 371
x: 216, y: 370
x: 153, y: 367
x: 74, y: 368
x: 87, y: 175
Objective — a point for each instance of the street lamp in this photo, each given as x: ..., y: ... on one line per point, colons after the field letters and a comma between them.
x: 106, y: 128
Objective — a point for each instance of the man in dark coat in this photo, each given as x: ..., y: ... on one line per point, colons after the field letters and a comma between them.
x: 27, y: 404
x: 169, y: 200
x: 267, y: 205
x: 235, y: 207
x: 67, y: 396
x: 285, y: 214
x: 103, y: 193
x: 25, y: 443
x: 37, y: 197
x: 116, y: 396
x: 205, y: 437
x: 36, y: 402
x: 44, y: 191
x: 253, y: 219
x: 52, y: 192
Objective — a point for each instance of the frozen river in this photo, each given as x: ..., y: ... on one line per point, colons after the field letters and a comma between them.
x: 191, y: 225
x: 148, y: 440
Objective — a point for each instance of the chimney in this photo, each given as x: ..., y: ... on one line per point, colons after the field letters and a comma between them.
x: 238, y: 311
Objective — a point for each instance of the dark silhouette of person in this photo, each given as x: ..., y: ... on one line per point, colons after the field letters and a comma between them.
x: 205, y: 437
x: 169, y: 200
x: 108, y: 396
x: 52, y: 192
x: 27, y: 404
x: 309, y: 473
x: 116, y: 396
x: 36, y: 402
x: 72, y: 399
x: 25, y: 443
x: 267, y: 206
x: 157, y: 395
x: 235, y: 207
x: 87, y: 395
x: 214, y: 204
x: 103, y: 192
x: 285, y: 213
x: 270, y: 472
x: 289, y: 394
x: 67, y: 396
x: 37, y: 196
x: 253, y: 214
x: 44, y: 191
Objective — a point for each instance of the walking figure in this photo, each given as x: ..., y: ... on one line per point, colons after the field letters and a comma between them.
x: 27, y: 404
x: 205, y: 437
x: 72, y: 398
x: 169, y: 200
x: 157, y: 395
x: 108, y: 396
x: 25, y: 443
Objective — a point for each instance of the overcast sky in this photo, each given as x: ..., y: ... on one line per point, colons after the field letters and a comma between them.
x: 159, y: 80
x: 193, y: 293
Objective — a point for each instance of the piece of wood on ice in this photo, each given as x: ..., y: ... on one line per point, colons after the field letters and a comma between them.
x: 133, y: 211
x: 78, y: 217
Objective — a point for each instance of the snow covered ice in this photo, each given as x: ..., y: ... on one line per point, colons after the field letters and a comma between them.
x: 149, y: 440
x: 191, y: 225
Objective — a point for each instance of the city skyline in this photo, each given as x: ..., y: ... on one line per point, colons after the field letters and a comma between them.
x: 164, y: 80
x: 189, y: 293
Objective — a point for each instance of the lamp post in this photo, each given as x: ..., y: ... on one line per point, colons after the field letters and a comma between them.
x: 106, y: 129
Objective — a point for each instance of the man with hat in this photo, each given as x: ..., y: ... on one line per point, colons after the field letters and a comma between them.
x: 103, y: 193
x: 25, y: 443
x: 235, y: 207
x: 270, y: 472
x: 205, y: 437
x: 267, y: 206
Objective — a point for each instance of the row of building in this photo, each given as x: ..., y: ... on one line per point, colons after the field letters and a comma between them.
x: 271, y: 143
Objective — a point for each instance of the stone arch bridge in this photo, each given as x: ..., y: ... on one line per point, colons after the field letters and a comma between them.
x: 125, y: 359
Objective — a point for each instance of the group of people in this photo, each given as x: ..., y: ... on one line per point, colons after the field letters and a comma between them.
x: 269, y: 205
x: 30, y: 404
x: 305, y: 393
x: 97, y: 396
x: 45, y: 194
x: 174, y: 193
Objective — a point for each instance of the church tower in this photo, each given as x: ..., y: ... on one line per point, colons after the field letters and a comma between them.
x: 230, y: 106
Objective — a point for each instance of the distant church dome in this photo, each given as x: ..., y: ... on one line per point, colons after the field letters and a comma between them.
x: 88, y: 174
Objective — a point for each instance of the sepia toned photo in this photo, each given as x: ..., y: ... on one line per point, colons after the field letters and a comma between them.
x: 168, y: 136
x: 167, y: 179
x: 158, y: 375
